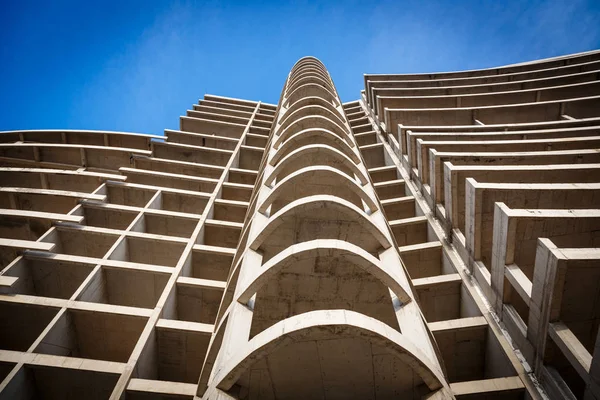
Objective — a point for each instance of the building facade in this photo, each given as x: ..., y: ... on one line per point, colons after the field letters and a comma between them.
x: 439, y: 238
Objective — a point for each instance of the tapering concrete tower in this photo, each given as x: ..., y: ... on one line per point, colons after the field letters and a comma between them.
x: 438, y: 238
x: 318, y: 304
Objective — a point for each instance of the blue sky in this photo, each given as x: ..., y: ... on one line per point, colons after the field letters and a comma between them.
x: 137, y: 65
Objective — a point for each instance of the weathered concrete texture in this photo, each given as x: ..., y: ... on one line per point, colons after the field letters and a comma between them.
x: 436, y: 239
x: 503, y: 167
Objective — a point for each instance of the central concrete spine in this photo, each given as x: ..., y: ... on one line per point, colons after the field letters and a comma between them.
x: 318, y: 303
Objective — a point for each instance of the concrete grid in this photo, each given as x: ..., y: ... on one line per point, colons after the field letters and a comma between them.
x: 436, y: 239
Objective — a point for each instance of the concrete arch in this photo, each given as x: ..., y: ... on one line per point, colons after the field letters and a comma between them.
x: 300, y: 181
x: 315, y: 136
x: 321, y: 248
x: 308, y: 110
x: 307, y: 61
x: 305, y: 154
x: 310, y: 79
x: 311, y: 89
x: 371, y: 238
x: 309, y: 71
x: 312, y: 121
x: 309, y: 68
x: 315, y: 101
x: 303, y: 63
x: 322, y: 325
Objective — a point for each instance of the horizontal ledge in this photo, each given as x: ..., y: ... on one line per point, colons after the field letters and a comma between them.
x: 77, y: 146
x: 200, y: 135
x: 26, y: 244
x: 419, y: 246
x: 52, y: 192
x: 54, y: 361
x: 487, y: 386
x: 458, y: 324
x: 62, y: 172
x: 200, y: 283
x: 423, y: 283
x: 144, y: 135
x: 149, y: 172
x: 8, y: 212
x: 176, y: 325
x: 67, y: 258
x: 166, y: 388
x: 408, y: 221
x: 84, y: 306
x: 225, y: 251
x: 118, y: 232
x: 160, y: 188
x: 192, y: 147
x: 132, y: 209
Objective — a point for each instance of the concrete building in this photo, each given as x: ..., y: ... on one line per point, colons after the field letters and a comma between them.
x: 437, y: 239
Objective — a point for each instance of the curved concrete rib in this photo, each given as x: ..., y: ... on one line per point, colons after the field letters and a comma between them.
x: 296, y: 112
x: 310, y: 79
x: 321, y: 248
x: 312, y: 121
x: 315, y: 101
x: 339, y: 324
x: 309, y: 71
x: 305, y: 61
x: 308, y: 204
x: 307, y: 66
x: 311, y: 89
x: 316, y: 136
x: 335, y: 157
x: 306, y: 178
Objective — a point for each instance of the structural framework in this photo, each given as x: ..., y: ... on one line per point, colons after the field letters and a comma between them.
x: 437, y: 239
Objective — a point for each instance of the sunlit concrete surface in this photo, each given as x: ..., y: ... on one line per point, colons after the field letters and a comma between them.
x: 439, y: 238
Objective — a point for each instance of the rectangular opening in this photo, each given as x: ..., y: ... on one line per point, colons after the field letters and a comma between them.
x: 80, y: 242
x: 167, y: 225
x: 125, y: 287
x: 230, y: 211
x: 128, y: 196
x: 93, y: 334
x: 250, y: 158
x: 237, y: 192
x: 181, y: 202
x: 46, y: 277
x: 221, y: 234
x: 148, y: 251
x: 55, y: 383
x: 21, y: 324
x: 211, y: 263
x: 111, y: 218
x: 242, y: 176
x: 198, y: 302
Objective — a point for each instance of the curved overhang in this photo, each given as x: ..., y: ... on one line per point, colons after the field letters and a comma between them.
x: 308, y: 110
x: 314, y: 249
x: 335, y: 207
x: 326, y: 325
x: 305, y: 153
x: 309, y: 71
x: 312, y: 121
x: 316, y: 100
x: 311, y: 89
x: 302, y: 182
x: 307, y: 61
x: 315, y: 136
x: 310, y: 79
